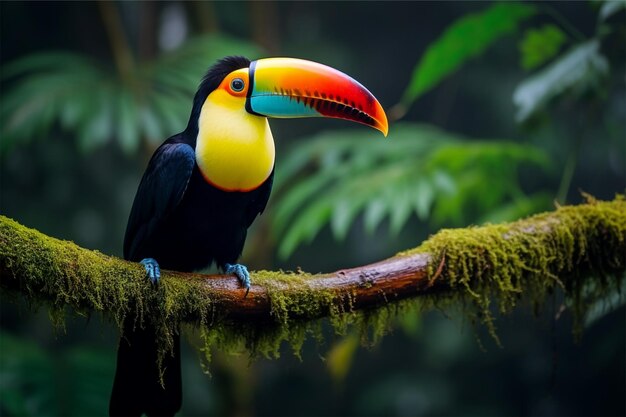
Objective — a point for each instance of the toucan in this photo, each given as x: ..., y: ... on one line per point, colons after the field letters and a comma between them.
x: 204, y: 187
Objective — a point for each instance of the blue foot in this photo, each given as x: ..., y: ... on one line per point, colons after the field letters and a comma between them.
x: 152, y: 269
x: 241, y: 272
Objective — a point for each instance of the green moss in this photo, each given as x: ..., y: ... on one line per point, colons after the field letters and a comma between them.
x: 580, y: 249
x: 292, y: 296
x: 86, y: 280
x: 482, y: 270
x: 60, y: 274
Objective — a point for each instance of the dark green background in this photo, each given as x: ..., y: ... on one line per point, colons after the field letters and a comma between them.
x: 431, y: 366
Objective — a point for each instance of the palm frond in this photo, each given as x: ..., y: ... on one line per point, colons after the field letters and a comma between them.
x: 97, y: 105
x: 332, y: 178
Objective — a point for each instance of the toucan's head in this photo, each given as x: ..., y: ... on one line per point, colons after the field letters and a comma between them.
x: 289, y: 88
x: 233, y: 142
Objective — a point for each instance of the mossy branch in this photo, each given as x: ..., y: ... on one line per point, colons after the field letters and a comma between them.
x: 578, y: 248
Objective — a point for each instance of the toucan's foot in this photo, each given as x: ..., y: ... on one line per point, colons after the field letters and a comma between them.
x: 241, y: 272
x: 153, y: 271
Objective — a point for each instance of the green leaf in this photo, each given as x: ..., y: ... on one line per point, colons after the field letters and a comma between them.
x: 95, y: 106
x: 400, y: 211
x: 297, y: 197
x: 182, y: 68
x: 375, y: 213
x: 59, y: 61
x: 519, y: 208
x: 98, y: 127
x: 340, y: 356
x: 150, y: 124
x: 443, y: 181
x: 579, y: 69
x: 173, y: 111
x: 51, y: 87
x: 609, y: 8
x: 540, y: 45
x: 127, y: 125
x: 76, y: 109
x: 306, y: 226
x: 344, y: 212
x: 466, y: 38
x: 424, y: 196
x: 337, y: 175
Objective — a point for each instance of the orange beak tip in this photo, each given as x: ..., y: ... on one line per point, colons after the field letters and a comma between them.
x: 383, y: 124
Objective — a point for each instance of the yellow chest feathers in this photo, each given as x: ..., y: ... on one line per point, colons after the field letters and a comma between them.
x: 234, y: 149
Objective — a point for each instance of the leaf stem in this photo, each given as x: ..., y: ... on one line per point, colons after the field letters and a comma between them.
x: 561, y: 20
x: 568, y: 174
x: 119, y: 44
x: 570, y: 167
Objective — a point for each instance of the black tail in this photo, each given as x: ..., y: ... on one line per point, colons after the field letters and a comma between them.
x: 137, y: 387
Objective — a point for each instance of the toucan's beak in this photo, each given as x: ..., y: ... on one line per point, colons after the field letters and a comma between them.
x: 288, y: 87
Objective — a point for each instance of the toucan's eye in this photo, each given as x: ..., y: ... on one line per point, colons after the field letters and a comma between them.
x: 237, y: 85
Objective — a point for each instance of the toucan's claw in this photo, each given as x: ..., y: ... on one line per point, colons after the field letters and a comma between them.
x: 153, y: 271
x: 241, y: 272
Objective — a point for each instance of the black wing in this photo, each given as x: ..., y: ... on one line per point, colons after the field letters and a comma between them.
x: 160, y: 191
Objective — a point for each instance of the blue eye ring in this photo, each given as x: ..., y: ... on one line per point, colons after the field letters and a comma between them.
x: 237, y: 85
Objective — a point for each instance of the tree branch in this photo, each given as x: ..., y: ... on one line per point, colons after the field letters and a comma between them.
x: 569, y: 248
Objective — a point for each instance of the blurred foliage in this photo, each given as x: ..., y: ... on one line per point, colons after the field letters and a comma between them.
x: 418, y: 169
x: 340, y: 356
x: 609, y: 8
x: 541, y: 44
x: 579, y: 70
x: 431, y: 173
x: 30, y: 375
x: 579, y: 79
x: 98, y: 105
x: 464, y: 39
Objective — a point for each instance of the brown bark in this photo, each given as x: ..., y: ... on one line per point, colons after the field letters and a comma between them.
x: 369, y: 286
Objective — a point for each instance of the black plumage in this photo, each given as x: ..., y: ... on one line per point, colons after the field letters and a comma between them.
x: 185, y: 224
